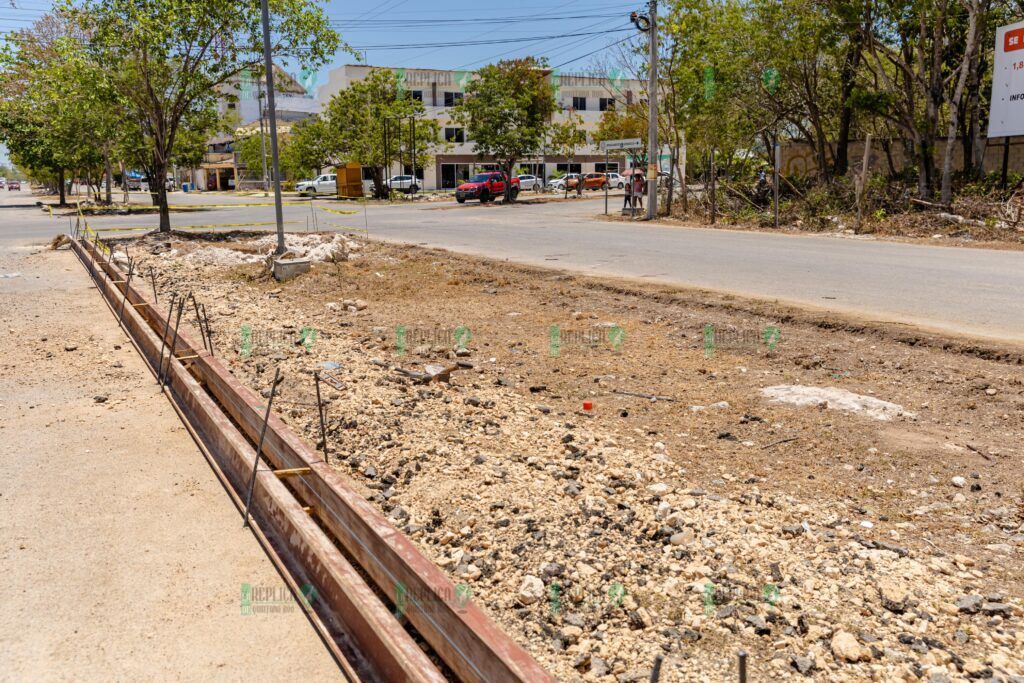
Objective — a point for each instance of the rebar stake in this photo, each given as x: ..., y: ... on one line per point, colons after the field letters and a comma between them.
x: 259, y: 446
x: 152, y: 279
x: 199, y: 321
x: 174, y: 342
x: 656, y: 669
x: 743, y: 666
x: 209, y: 334
x: 320, y: 411
x: 127, y: 284
x: 163, y: 337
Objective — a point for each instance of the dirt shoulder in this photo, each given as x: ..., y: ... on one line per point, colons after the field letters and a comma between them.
x: 121, y: 556
x: 613, y: 485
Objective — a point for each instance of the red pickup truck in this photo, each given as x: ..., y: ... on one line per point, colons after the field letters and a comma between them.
x: 485, y: 187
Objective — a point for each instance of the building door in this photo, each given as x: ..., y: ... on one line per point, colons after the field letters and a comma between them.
x: 453, y: 175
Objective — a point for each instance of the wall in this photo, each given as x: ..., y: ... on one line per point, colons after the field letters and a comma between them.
x: 798, y: 158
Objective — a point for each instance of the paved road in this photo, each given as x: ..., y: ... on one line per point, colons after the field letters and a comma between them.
x: 973, y: 291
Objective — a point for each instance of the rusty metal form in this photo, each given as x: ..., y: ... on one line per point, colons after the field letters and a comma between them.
x: 226, y: 416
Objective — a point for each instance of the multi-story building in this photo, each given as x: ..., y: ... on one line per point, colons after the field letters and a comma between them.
x: 587, y: 96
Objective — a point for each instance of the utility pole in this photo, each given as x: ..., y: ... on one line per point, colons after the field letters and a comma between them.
x: 275, y: 163
x: 263, y: 138
x: 652, y: 120
x: 775, y: 180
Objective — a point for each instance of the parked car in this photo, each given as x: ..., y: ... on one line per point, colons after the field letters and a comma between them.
x: 2, y: 182
x: 485, y: 187
x: 13, y: 185
x: 137, y: 185
x: 403, y: 183
x: 594, y: 181
x: 616, y: 181
x: 530, y: 182
x: 325, y: 184
x: 559, y: 183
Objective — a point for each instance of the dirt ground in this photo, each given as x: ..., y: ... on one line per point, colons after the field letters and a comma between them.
x: 622, y: 487
x: 121, y: 556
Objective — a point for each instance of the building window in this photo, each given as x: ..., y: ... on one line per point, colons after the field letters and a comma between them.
x: 610, y: 167
x: 231, y: 105
x: 407, y: 170
x: 570, y: 168
x: 606, y: 103
x: 579, y: 103
x: 451, y: 99
x: 416, y: 95
x: 454, y: 135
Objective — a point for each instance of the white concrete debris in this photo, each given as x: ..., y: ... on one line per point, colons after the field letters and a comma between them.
x: 835, y: 399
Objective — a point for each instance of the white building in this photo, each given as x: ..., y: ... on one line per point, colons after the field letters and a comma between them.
x: 587, y: 96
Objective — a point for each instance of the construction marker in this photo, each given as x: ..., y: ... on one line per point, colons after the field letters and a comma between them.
x: 588, y: 405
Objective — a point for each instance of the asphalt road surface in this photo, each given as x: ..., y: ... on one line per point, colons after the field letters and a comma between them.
x: 977, y: 292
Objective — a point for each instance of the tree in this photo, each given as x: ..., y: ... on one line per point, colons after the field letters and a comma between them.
x: 565, y: 138
x: 354, y: 124
x: 506, y: 111
x: 166, y: 59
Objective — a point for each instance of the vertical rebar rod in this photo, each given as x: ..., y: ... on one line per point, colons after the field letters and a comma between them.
x: 174, y: 341
x: 163, y: 337
x: 199, y: 320
x: 320, y: 410
x: 743, y: 666
x: 127, y: 284
x: 656, y: 669
x: 209, y: 334
x: 152, y: 279
x: 259, y: 446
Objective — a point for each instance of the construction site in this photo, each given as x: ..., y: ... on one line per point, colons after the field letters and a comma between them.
x: 468, y: 469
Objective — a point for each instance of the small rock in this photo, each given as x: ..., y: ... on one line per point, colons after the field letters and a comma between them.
x: 846, y: 648
x: 531, y: 590
x: 70, y: 347
x: 99, y: 399
x: 894, y: 597
x: 969, y: 604
x: 959, y: 482
x: 802, y: 664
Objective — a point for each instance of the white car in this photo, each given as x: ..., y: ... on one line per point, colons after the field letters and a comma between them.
x: 530, y: 182
x: 403, y: 183
x: 616, y: 181
x: 325, y: 184
x: 559, y: 183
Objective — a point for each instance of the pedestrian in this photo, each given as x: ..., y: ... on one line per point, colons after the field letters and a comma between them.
x: 638, y: 189
x: 627, y: 198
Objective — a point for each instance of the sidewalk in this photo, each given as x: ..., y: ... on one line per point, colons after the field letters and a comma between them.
x: 121, y: 556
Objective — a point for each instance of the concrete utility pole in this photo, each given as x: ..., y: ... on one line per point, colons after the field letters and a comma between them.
x: 652, y: 118
x: 275, y: 163
x: 263, y: 139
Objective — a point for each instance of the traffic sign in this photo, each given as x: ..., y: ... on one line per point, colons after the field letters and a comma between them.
x: 631, y: 143
x: 1007, y: 110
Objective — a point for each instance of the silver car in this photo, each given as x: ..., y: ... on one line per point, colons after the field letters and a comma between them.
x: 616, y: 181
x: 530, y: 182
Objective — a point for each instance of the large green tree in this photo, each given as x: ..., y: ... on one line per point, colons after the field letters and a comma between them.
x: 506, y: 111
x: 361, y: 118
x: 167, y: 60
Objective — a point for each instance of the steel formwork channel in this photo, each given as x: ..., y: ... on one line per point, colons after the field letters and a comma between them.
x: 472, y: 646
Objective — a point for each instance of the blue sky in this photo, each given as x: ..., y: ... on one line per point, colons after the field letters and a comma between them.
x: 385, y: 28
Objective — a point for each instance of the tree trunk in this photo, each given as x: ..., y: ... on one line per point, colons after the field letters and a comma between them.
x: 954, y: 104
x: 63, y: 188
x: 848, y: 79
x: 158, y: 190
x: 108, y: 167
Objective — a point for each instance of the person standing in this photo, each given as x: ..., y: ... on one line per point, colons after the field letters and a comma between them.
x: 627, y: 197
x: 638, y: 190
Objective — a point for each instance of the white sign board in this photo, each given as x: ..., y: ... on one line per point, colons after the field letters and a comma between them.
x: 631, y: 143
x: 1007, y: 111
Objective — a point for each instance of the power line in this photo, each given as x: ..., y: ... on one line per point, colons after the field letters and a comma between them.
x: 521, y: 47
x: 492, y: 41
x: 443, y: 22
x: 576, y: 59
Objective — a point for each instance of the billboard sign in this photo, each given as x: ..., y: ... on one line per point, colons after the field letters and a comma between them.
x: 1007, y: 112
